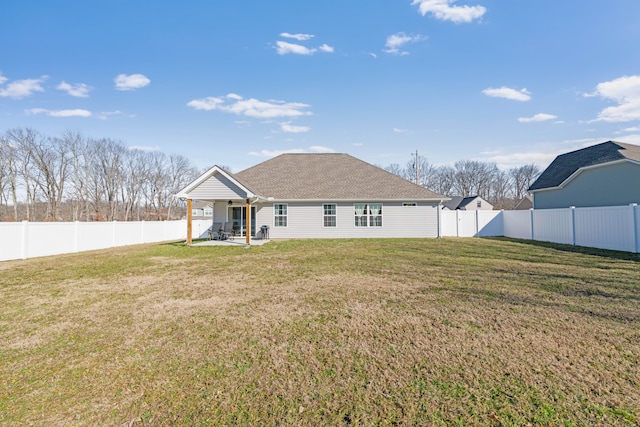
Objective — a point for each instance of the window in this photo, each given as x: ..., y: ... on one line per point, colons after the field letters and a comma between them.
x: 479, y: 204
x: 329, y: 214
x: 280, y: 215
x: 409, y: 204
x: 368, y: 214
x: 195, y: 212
x: 208, y: 211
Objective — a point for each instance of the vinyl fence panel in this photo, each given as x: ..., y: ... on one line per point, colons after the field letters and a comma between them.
x: 553, y: 225
x: 517, y: 224
x: 606, y: 228
x: 21, y: 240
x: 490, y: 223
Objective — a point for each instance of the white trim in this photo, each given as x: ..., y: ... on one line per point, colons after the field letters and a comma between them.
x: 335, y: 215
x: 184, y: 193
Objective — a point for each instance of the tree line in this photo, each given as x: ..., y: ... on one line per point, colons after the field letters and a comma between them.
x: 75, y: 178
x: 502, y: 188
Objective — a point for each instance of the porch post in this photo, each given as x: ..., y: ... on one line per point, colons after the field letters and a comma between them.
x: 189, y: 223
x: 248, y: 223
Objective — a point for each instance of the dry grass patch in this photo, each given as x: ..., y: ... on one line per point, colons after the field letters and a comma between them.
x: 349, y: 332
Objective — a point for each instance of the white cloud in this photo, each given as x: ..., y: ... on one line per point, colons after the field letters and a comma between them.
x: 288, y: 127
x: 2, y: 78
x: 235, y: 104
x: 506, y: 161
x: 373, y: 55
x: 446, y: 11
x: 106, y: 114
x: 321, y: 149
x: 508, y: 93
x: 18, y: 89
x: 633, y: 129
x: 299, y: 37
x: 131, y: 82
x: 358, y: 144
x: 284, y: 48
x: 396, y: 41
x: 626, y: 92
x: 397, y: 130
x: 326, y: 48
x: 60, y: 113
x: 540, y: 117
x: 79, y: 90
x: 274, y: 153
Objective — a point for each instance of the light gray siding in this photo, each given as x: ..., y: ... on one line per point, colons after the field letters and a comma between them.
x: 609, y: 185
x: 216, y: 187
x: 305, y: 220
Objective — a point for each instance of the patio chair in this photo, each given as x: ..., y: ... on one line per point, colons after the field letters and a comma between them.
x: 214, y: 231
x: 227, y: 231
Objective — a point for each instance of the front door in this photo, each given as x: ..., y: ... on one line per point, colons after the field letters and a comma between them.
x: 239, y: 218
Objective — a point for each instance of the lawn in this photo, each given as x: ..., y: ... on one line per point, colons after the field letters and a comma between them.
x: 312, y: 332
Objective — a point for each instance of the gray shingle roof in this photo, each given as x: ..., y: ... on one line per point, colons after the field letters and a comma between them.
x: 567, y: 164
x: 328, y: 177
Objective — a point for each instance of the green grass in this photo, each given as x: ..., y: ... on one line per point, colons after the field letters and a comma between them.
x: 323, y: 332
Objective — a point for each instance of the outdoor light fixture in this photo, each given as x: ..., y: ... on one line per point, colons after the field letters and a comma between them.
x: 230, y: 203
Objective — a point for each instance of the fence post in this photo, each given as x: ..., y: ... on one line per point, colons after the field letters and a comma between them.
x: 573, y: 224
x: 25, y: 238
x: 477, y: 224
x: 531, y: 224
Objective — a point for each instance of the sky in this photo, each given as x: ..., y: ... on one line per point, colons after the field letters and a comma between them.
x: 234, y: 83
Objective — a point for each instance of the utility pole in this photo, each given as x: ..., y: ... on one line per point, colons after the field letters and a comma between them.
x: 417, y: 167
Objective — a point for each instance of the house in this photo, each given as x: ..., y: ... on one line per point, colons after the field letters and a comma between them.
x: 473, y: 203
x: 524, y: 204
x: 606, y: 174
x: 201, y: 209
x: 317, y: 196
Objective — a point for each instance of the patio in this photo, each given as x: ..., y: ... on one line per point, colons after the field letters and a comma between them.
x: 238, y: 241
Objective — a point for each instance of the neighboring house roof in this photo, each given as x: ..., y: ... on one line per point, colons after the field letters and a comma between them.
x: 566, y: 165
x: 525, y: 203
x: 328, y: 177
x: 453, y: 203
x: 459, y: 202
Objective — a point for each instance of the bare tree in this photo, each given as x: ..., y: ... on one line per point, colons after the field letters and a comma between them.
x: 523, y: 177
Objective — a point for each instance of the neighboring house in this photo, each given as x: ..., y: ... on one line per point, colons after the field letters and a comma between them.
x: 318, y: 196
x: 606, y: 174
x: 202, y: 209
x: 473, y: 203
x: 524, y: 204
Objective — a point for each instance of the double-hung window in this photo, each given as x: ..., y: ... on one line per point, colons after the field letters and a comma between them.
x: 329, y: 214
x: 280, y: 215
x: 368, y: 214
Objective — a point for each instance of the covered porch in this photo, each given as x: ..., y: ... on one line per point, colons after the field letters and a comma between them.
x: 233, y: 205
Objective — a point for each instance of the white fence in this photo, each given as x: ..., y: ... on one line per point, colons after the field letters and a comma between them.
x: 21, y: 240
x: 614, y: 227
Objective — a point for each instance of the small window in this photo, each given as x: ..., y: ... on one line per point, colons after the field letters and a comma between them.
x: 479, y: 203
x: 409, y: 204
x: 195, y: 212
x: 208, y: 211
x: 329, y: 214
x: 280, y: 215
